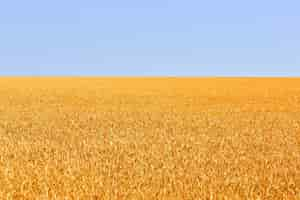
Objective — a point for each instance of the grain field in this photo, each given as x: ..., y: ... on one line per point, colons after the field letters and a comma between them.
x: 149, y: 138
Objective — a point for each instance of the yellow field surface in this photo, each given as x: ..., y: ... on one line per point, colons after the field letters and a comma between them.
x: 149, y: 138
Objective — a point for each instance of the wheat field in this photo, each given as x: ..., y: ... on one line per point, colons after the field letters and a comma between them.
x: 149, y: 138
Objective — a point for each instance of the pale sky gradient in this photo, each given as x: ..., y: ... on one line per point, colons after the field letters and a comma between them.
x: 154, y: 37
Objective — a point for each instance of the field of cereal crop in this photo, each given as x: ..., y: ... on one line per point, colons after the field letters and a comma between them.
x: 149, y: 138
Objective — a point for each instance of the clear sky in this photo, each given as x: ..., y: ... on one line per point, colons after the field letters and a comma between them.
x: 153, y: 37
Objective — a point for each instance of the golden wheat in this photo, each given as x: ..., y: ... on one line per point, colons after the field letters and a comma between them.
x: 149, y: 138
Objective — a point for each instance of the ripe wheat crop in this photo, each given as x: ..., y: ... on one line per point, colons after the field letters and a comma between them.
x: 149, y: 138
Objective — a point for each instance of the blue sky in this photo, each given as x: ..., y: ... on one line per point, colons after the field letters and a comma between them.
x: 157, y: 37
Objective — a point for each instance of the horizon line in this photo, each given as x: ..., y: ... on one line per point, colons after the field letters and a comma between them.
x: 137, y: 76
